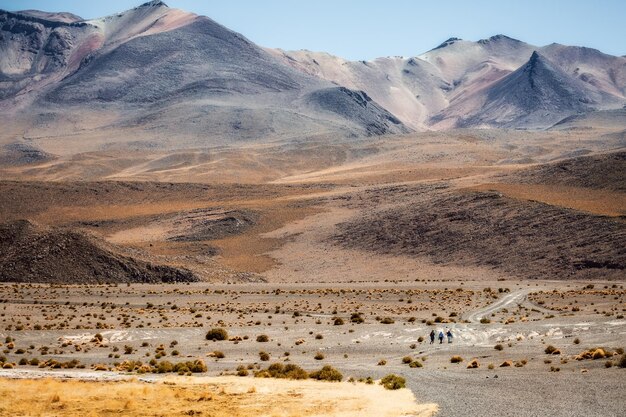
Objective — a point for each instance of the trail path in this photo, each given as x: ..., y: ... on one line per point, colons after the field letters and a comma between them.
x: 515, y: 298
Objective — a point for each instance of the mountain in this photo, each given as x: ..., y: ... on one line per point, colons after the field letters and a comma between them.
x: 175, y: 79
x: 158, y: 78
x: 448, y: 86
x: 535, y: 94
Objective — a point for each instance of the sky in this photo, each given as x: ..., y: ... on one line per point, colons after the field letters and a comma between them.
x: 366, y: 29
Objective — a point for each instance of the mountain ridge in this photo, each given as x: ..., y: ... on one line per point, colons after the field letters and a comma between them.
x: 179, y: 80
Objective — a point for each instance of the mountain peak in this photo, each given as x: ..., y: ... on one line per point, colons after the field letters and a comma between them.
x: 154, y: 3
x: 498, y: 38
x: 537, y: 63
x: 448, y: 42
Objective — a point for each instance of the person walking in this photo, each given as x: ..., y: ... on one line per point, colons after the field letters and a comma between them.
x: 449, y: 334
x: 432, y: 337
x: 440, y: 337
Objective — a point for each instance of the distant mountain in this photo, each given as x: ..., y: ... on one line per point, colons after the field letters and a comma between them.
x: 536, y: 94
x: 167, y: 71
x: 161, y: 78
x: 450, y: 85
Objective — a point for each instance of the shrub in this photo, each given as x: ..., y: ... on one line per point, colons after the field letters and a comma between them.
x: 576, y: 341
x: 219, y: 354
x: 622, y: 362
x: 327, y: 373
x: 550, y: 349
x: 407, y: 359
x: 456, y: 359
x: 278, y: 370
x: 393, y: 382
x: 165, y: 367
x: 217, y: 334
x: 264, y: 356
x: 382, y: 362
x: 23, y: 362
x: 498, y: 347
x: 485, y: 320
x: 242, y: 371
x: 338, y: 321
x: 357, y: 318
x: 318, y: 356
x: 387, y: 320
x: 473, y: 364
x: 319, y: 337
x: 416, y: 364
x: 262, y: 338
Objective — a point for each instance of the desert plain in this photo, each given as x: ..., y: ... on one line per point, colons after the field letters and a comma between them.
x: 348, y: 264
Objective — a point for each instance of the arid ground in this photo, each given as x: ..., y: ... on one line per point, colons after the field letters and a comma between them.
x: 344, y: 254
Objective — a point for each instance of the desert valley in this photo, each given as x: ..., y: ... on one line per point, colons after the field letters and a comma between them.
x: 191, y: 224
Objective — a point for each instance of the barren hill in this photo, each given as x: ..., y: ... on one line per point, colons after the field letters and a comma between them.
x: 32, y: 253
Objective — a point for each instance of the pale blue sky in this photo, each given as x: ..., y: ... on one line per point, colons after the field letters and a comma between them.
x: 365, y: 29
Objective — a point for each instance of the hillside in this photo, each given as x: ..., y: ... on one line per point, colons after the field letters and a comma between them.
x: 32, y: 253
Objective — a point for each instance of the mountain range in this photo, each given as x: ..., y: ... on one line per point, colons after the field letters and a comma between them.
x: 160, y: 78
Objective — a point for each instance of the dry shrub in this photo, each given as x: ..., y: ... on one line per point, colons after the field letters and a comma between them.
x: 506, y: 364
x: 549, y: 349
x: 327, y: 373
x: 595, y: 353
x: 456, y: 359
x: 278, y: 370
x: 217, y: 334
x: 393, y: 382
x: 473, y: 364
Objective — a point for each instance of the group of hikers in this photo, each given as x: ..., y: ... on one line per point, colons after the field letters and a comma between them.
x: 441, y: 336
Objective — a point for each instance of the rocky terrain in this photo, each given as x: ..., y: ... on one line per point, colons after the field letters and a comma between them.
x: 29, y: 253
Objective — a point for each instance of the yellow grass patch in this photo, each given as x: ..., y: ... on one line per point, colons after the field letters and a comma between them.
x: 217, y: 397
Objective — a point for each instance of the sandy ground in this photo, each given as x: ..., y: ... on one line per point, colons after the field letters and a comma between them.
x: 524, y: 319
x: 221, y: 396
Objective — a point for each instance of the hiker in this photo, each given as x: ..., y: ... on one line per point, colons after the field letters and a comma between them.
x: 449, y: 334
x: 440, y: 337
x: 432, y: 337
